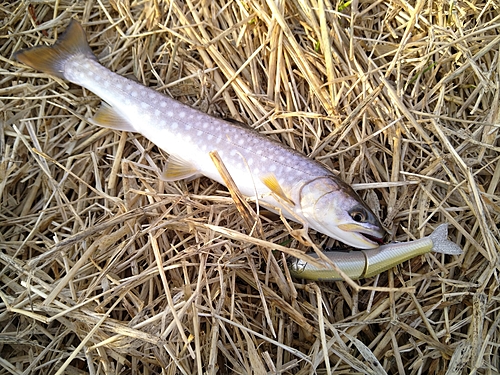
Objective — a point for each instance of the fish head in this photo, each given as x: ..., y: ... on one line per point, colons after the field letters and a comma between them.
x: 332, y: 207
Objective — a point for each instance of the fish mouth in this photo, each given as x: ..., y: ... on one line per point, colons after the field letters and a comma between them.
x: 375, y: 239
x: 371, y: 237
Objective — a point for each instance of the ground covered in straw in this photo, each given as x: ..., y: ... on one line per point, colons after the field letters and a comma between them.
x: 105, y: 269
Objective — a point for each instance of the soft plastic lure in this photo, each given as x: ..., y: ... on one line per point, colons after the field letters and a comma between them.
x: 360, y: 264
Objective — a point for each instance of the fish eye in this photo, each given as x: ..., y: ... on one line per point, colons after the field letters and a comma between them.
x: 358, y: 216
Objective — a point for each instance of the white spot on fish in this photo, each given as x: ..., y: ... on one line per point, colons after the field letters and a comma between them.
x: 134, y: 94
x: 241, y: 141
x: 152, y: 95
x: 157, y: 113
x: 205, y: 125
x: 170, y: 114
x: 163, y: 104
x: 128, y: 87
x: 119, y: 86
x: 181, y: 114
x: 233, y: 152
x: 174, y: 125
x: 210, y: 137
x: 163, y: 123
x: 272, y: 168
x: 144, y: 105
x: 199, y: 133
x: 250, y: 161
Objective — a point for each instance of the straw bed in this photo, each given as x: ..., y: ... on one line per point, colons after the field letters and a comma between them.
x: 106, y: 269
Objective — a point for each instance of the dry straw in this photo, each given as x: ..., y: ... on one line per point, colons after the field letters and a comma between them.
x: 105, y: 269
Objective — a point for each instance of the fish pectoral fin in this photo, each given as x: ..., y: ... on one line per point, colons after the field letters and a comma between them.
x: 179, y: 169
x: 107, y: 117
x: 272, y: 183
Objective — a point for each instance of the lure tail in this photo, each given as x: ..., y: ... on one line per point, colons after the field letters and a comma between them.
x: 440, y: 242
x: 51, y: 59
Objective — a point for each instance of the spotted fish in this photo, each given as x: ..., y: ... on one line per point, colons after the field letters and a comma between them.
x: 284, y: 180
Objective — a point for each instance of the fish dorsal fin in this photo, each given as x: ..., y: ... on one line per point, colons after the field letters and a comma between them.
x: 178, y: 169
x: 107, y: 117
x: 272, y: 183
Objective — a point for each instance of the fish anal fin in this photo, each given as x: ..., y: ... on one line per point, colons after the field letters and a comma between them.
x: 107, y: 117
x: 272, y: 183
x: 179, y: 169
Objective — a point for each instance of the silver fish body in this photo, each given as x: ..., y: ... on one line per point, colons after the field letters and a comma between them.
x: 302, y: 189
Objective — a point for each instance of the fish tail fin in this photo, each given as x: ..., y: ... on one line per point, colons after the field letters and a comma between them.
x: 51, y: 59
x: 440, y: 241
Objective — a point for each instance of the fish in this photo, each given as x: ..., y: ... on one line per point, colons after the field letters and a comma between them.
x: 363, y: 264
x: 272, y: 174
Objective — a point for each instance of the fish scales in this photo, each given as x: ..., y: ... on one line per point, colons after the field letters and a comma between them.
x: 191, y: 134
x: 302, y: 189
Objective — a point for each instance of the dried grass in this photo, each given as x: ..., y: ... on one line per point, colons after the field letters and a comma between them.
x: 106, y: 269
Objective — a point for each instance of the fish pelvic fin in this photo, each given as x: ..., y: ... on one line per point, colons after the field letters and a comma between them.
x: 441, y: 243
x: 51, y: 59
x: 179, y: 169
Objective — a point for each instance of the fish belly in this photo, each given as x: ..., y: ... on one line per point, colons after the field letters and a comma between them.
x: 190, y: 135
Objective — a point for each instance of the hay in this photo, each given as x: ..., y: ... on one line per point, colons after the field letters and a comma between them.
x: 106, y: 269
